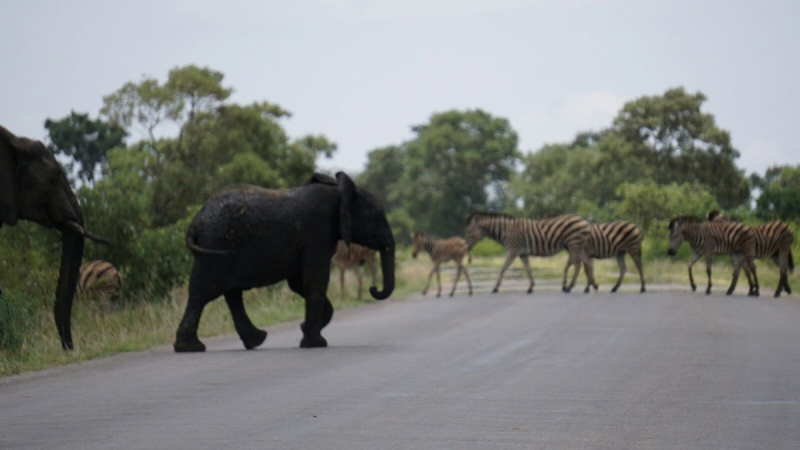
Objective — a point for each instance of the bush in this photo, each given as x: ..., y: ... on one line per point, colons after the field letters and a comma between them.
x: 487, y: 247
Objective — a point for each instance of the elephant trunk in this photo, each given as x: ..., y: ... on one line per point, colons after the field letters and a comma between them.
x: 71, y: 256
x: 387, y: 267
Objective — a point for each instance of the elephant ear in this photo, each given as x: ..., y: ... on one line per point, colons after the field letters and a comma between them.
x: 9, y: 182
x: 348, y: 191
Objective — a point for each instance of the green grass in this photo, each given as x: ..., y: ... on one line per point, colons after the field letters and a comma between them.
x: 145, y: 324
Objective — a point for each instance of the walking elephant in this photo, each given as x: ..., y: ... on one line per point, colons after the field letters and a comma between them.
x: 247, y: 236
x: 34, y: 186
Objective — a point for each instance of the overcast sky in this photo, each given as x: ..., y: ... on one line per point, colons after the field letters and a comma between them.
x: 363, y: 71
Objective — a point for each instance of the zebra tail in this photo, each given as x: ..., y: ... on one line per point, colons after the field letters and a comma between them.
x: 791, y: 262
x: 469, y: 257
x: 191, y: 235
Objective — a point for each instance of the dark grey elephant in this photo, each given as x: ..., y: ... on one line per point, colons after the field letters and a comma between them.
x: 247, y: 236
x: 34, y: 186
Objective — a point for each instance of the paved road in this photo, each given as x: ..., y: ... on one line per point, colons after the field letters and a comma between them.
x: 600, y: 371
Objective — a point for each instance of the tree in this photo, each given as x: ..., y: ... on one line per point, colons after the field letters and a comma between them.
x: 780, y: 193
x: 85, y: 141
x: 669, y: 132
x: 457, y: 163
x: 384, y: 169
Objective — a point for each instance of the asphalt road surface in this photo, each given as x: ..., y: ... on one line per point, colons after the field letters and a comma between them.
x: 663, y: 370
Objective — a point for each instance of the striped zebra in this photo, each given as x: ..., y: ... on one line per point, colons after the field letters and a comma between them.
x: 353, y: 258
x: 532, y: 237
x: 772, y: 240
x: 440, y: 251
x: 101, y: 278
x: 614, y: 239
x: 715, y: 238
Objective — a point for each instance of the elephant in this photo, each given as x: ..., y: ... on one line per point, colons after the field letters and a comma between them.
x: 247, y: 236
x: 34, y: 187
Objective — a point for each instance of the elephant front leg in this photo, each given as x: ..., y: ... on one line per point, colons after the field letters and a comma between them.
x: 251, y: 336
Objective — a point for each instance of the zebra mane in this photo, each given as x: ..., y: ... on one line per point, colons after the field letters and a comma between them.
x: 425, y: 235
x: 488, y: 214
x: 719, y: 216
x: 684, y: 219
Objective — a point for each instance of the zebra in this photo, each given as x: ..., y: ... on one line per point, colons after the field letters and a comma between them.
x: 353, y: 258
x: 715, y: 238
x: 614, y: 239
x: 532, y: 237
x: 100, y: 277
x: 772, y: 240
x: 442, y: 250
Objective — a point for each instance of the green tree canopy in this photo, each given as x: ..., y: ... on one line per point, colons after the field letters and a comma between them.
x: 458, y: 163
x: 671, y: 133
x: 780, y: 193
x: 84, y: 140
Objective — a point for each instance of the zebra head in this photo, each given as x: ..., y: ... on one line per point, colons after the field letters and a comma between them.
x: 417, y: 238
x: 678, y: 227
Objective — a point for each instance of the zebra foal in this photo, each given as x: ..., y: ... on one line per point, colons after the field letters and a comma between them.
x: 772, y: 240
x: 715, y: 238
x: 102, y: 278
x: 613, y: 239
x: 532, y: 237
x: 353, y: 258
x: 440, y: 251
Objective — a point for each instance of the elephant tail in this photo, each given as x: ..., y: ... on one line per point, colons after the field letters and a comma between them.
x: 191, y: 236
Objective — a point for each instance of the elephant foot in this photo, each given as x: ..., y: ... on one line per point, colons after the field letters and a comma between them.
x: 255, y: 339
x: 313, y: 342
x: 188, y: 347
x: 757, y: 294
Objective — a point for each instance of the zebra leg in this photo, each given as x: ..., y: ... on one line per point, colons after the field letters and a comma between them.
x: 781, y: 262
x: 458, y: 275
x: 574, y: 256
x: 341, y: 279
x: 748, y: 274
x: 622, y: 269
x: 469, y: 282
x: 528, y: 269
x: 430, y: 276
x: 509, y: 260
x: 358, y: 275
x: 438, y: 282
x: 752, y: 264
x: 736, y: 261
x: 588, y: 265
x: 251, y: 336
x: 709, y: 257
x: 694, y: 258
x: 637, y: 259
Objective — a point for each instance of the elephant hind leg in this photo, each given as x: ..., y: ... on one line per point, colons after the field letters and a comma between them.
x: 251, y: 336
x: 200, y: 294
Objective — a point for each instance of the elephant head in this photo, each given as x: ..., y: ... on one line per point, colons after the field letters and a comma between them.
x: 34, y: 187
x: 363, y: 221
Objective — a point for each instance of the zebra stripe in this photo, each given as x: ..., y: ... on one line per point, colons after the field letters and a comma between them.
x: 532, y: 237
x: 613, y: 240
x: 772, y: 240
x: 100, y: 277
x: 353, y: 258
x: 715, y: 238
x: 440, y: 251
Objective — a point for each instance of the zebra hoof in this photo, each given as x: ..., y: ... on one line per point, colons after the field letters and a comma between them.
x: 586, y: 291
x: 530, y: 291
x: 614, y: 289
x: 643, y: 290
x: 494, y: 291
x: 438, y: 295
x: 694, y: 287
x: 470, y: 293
